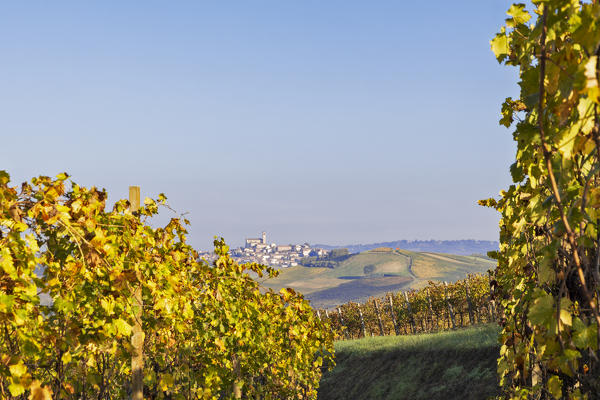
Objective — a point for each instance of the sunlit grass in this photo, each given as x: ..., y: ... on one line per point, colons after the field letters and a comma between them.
x: 485, y: 335
x: 457, y: 364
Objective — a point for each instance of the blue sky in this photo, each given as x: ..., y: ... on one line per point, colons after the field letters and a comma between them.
x: 321, y: 121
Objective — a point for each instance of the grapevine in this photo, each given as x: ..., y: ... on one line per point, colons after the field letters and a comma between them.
x: 548, y: 273
x: 426, y: 310
x: 68, y: 272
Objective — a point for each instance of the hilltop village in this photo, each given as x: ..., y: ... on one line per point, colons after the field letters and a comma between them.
x: 279, y: 256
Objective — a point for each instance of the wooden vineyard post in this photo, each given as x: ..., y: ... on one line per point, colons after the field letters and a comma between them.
x: 469, y: 303
x: 319, y: 314
x: 236, y: 387
x: 344, y: 328
x: 330, y: 321
x: 376, y: 303
x: 410, y: 314
x: 491, y: 298
x: 137, y: 339
x: 490, y: 312
x: 393, y: 315
x: 362, y: 322
x: 430, y: 306
x: 450, y: 310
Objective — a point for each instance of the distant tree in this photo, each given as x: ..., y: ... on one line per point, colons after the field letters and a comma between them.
x: 369, y: 269
x: 335, y: 253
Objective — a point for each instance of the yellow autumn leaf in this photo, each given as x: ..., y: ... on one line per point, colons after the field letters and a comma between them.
x: 18, y: 370
x: 38, y: 392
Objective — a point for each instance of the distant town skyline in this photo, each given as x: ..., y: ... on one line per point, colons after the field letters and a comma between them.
x: 321, y: 122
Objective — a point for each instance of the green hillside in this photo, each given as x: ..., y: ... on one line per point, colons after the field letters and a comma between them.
x: 375, y: 272
x: 448, y: 267
x: 447, y: 365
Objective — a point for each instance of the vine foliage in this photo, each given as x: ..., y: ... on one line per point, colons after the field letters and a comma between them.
x: 417, y: 310
x: 548, y: 272
x: 68, y: 273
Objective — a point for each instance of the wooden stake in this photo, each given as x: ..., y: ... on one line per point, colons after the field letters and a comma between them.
x: 339, y: 310
x: 393, y: 315
x: 469, y: 304
x: 492, y: 302
x: 410, y: 314
x: 450, y: 310
x: 381, y: 333
x: 137, y: 339
x: 433, y: 320
x: 362, y: 322
x: 330, y: 321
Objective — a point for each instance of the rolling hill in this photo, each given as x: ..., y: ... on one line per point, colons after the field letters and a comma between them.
x: 374, y: 273
x: 462, y: 247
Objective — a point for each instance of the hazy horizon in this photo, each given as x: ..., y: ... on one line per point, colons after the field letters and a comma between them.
x: 334, y: 123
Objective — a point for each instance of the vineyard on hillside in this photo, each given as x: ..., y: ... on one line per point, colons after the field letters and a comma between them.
x: 438, y: 306
x: 99, y: 304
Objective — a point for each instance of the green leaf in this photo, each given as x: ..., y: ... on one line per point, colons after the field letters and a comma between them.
x: 516, y: 172
x: 565, y: 317
x: 555, y: 387
x: 542, y: 311
x: 166, y: 382
x: 518, y: 14
x: 20, y: 316
x: 585, y: 337
x: 63, y: 305
x: 4, y: 177
x: 546, y: 274
x: 6, y: 302
x: 500, y: 46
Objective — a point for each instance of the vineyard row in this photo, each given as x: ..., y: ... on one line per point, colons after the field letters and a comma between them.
x: 438, y: 306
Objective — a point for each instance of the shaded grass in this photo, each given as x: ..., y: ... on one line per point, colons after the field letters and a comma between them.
x: 447, y: 365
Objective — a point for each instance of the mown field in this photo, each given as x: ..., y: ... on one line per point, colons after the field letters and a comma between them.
x: 447, y: 365
x: 374, y: 273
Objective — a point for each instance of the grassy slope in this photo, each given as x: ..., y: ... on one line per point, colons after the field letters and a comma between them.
x: 327, y: 287
x: 446, y: 267
x: 448, y: 365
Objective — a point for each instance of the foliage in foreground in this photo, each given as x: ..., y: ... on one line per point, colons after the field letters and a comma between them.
x: 210, y: 332
x: 549, y: 258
